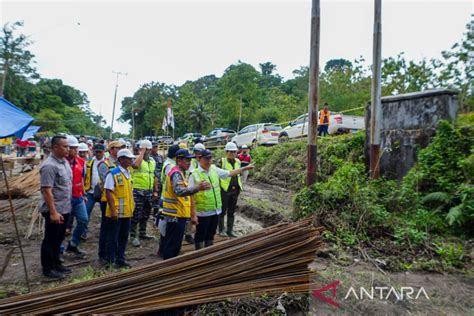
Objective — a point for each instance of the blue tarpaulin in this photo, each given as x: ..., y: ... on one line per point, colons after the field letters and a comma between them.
x: 30, y: 132
x: 13, y: 121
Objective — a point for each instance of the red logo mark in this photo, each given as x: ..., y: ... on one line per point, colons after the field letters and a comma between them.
x: 333, y: 287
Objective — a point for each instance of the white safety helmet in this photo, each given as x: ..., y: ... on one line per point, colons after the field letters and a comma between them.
x: 72, y: 141
x: 146, y: 144
x: 83, y: 147
x: 244, y: 147
x: 230, y: 147
x: 123, y: 141
x: 199, y: 147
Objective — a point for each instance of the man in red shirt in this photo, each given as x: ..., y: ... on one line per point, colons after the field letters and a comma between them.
x: 79, y: 210
x: 21, y: 146
x: 245, y: 160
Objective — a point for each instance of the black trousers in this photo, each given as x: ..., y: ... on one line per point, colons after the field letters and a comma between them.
x: 170, y: 244
x: 103, y: 231
x: 323, y: 130
x: 229, y: 202
x: 53, y: 237
x: 206, y: 228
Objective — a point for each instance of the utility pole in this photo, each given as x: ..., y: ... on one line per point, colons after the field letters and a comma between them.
x: 376, y: 105
x: 133, y: 123
x: 313, y: 92
x: 118, y: 73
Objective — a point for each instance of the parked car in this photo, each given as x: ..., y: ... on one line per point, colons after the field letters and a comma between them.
x: 219, y: 137
x: 166, y: 140
x: 338, y: 123
x: 188, y: 138
x: 258, y: 134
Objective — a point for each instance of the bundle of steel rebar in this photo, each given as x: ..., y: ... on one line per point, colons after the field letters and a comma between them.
x: 271, y: 261
x: 24, y: 185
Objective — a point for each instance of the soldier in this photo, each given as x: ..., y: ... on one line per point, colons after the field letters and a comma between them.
x: 145, y: 190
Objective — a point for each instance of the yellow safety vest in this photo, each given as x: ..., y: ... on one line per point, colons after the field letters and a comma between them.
x: 111, y: 165
x: 163, y: 175
x: 88, y: 177
x: 173, y: 205
x: 208, y: 200
x: 144, y: 176
x: 122, y: 195
x: 228, y: 166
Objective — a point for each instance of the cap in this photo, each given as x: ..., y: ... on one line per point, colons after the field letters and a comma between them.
x: 206, y: 154
x: 90, y: 141
x: 154, y: 144
x: 172, y: 151
x: 99, y: 147
x: 115, y: 144
x: 183, y: 153
x: 125, y: 153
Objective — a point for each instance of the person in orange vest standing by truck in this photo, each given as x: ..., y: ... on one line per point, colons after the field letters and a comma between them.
x: 323, y: 123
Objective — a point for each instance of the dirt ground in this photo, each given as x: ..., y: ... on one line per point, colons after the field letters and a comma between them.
x: 259, y: 206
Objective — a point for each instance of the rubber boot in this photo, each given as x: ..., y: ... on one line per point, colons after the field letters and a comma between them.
x: 230, y: 226
x: 221, y: 226
x: 199, y: 245
x: 208, y: 243
x: 134, y: 235
x: 142, y: 231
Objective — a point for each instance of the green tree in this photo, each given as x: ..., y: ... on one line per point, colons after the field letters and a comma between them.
x: 15, y: 58
x: 239, y: 87
x: 458, y: 70
x: 199, y: 116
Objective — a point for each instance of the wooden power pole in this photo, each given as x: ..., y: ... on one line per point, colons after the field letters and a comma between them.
x: 313, y: 92
x: 376, y: 105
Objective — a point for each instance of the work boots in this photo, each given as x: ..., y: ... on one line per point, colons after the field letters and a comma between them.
x: 221, y: 226
x: 142, y: 232
x: 230, y: 226
x: 199, y: 245
x: 134, y: 235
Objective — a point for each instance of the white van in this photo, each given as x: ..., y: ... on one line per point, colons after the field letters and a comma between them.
x: 258, y: 134
x: 337, y: 123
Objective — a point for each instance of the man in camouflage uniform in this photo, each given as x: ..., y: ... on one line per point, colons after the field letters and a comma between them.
x: 145, y: 191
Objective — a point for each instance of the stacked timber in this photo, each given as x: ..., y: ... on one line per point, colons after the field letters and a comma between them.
x: 271, y: 261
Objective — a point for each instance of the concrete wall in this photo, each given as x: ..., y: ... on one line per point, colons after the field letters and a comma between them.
x: 408, y: 123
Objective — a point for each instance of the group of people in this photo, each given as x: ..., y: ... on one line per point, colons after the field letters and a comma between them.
x: 183, y: 190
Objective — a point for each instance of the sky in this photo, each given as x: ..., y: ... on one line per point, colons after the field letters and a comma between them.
x: 84, y: 42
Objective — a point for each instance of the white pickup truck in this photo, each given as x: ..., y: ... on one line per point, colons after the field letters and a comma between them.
x: 338, y: 123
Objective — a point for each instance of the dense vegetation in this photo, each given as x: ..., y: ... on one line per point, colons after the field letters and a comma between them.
x: 245, y: 95
x: 242, y: 95
x: 424, y: 219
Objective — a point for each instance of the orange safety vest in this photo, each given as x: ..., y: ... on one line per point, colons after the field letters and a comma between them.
x: 321, y: 117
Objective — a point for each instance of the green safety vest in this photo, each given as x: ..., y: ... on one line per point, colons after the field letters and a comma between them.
x: 208, y: 200
x: 194, y: 163
x: 228, y: 166
x: 163, y: 175
x: 144, y: 176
